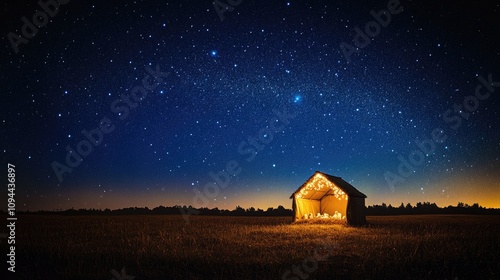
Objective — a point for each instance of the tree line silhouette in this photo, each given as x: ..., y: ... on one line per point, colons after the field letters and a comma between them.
x: 170, y: 210
x: 372, y: 210
x: 429, y: 208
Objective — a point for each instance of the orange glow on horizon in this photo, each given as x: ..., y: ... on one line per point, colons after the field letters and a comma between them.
x: 459, y: 188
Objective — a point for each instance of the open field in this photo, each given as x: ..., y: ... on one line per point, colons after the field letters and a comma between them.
x: 165, y: 247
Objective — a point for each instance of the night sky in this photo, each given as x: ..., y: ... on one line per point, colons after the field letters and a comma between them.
x: 169, y: 92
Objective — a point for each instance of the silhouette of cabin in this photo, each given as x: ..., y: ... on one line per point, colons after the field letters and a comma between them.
x: 327, y: 196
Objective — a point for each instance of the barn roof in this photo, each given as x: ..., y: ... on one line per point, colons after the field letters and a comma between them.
x: 325, y: 190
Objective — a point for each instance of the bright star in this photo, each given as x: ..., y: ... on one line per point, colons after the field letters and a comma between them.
x: 213, y: 53
x: 297, y: 98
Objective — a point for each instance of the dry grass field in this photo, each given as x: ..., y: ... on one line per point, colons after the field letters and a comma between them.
x: 165, y: 247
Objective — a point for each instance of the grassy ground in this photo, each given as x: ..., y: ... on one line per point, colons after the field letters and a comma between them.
x: 165, y: 247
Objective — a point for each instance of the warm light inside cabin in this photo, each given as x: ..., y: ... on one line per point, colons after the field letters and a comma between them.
x: 320, y: 183
x: 320, y: 198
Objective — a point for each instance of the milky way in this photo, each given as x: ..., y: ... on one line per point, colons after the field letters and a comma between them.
x: 157, y: 97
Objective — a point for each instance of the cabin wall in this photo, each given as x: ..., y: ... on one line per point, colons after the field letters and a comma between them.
x: 356, y: 213
x: 305, y: 206
x: 330, y: 204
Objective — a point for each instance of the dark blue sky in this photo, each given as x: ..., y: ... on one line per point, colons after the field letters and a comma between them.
x: 216, y: 86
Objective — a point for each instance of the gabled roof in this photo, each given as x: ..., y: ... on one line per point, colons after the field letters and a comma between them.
x: 337, y: 181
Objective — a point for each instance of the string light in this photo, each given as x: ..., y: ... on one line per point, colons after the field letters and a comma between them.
x: 320, y: 183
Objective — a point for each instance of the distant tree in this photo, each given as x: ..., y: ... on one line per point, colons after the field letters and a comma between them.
x: 460, y: 205
x: 402, y: 206
x: 408, y: 206
x: 239, y: 210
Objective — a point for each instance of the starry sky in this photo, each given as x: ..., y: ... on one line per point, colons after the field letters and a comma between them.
x: 173, y: 91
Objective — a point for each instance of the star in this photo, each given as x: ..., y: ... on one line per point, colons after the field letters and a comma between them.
x: 297, y: 99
